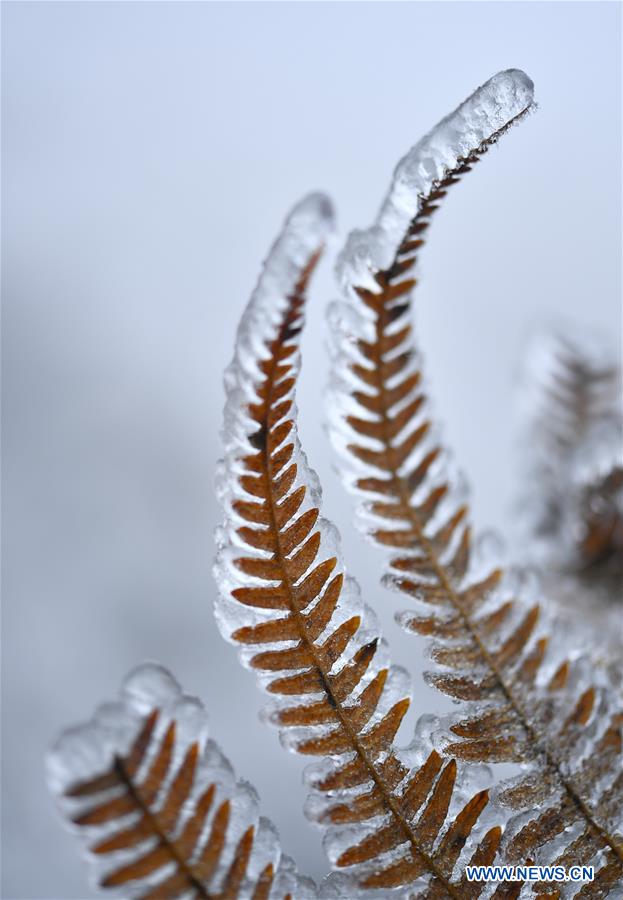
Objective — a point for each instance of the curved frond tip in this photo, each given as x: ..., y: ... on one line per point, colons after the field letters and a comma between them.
x: 158, y: 806
x: 526, y: 702
x: 393, y: 817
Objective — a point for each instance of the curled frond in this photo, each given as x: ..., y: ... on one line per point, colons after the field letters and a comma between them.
x: 392, y: 817
x: 158, y: 804
x: 526, y: 703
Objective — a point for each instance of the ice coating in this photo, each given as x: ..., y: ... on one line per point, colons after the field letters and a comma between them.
x: 304, y: 234
x: 305, y: 231
x: 491, y: 108
x: 89, y: 750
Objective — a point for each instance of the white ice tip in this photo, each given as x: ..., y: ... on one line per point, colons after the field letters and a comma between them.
x: 473, y: 124
x: 511, y: 90
x: 309, y: 223
x: 314, y: 210
x: 304, y: 233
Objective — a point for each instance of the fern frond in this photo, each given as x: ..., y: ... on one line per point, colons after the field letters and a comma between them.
x: 158, y: 804
x: 527, y: 704
x: 575, y: 385
x: 570, y: 509
x: 392, y: 818
x: 574, y: 423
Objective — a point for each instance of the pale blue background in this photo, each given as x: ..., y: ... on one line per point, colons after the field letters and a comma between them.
x: 150, y: 152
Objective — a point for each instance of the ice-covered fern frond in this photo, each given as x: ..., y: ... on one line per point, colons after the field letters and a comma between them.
x: 158, y: 806
x: 526, y: 702
x: 393, y: 818
x: 574, y: 437
x: 570, y: 521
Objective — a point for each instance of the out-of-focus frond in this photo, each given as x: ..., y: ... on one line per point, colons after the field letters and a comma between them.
x: 571, y: 497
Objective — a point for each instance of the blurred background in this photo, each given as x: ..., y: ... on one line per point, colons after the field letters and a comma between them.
x: 150, y: 152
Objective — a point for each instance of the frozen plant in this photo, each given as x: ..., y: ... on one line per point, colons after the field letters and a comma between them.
x: 401, y: 822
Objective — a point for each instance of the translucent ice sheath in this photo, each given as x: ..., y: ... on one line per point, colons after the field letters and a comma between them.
x: 524, y: 701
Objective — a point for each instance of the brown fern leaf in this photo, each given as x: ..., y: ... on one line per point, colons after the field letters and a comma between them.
x: 528, y: 704
x: 158, y: 803
x: 392, y: 818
